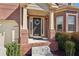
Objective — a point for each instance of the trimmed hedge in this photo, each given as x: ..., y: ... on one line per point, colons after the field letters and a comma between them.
x: 13, y: 49
x: 62, y: 37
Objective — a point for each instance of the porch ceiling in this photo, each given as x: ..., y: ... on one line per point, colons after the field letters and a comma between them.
x: 37, y: 12
x: 65, y: 8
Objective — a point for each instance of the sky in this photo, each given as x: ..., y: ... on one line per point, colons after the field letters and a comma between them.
x: 77, y: 4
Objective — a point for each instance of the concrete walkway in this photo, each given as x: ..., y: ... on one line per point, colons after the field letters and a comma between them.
x: 41, y: 51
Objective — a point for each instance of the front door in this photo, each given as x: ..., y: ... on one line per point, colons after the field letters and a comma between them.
x: 36, y: 27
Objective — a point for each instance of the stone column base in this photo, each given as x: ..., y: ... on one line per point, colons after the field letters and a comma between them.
x: 51, y: 34
x: 24, y: 46
x: 54, y: 44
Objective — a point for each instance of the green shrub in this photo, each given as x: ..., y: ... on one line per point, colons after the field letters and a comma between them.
x: 69, y: 48
x: 13, y: 49
x: 75, y: 38
x: 61, y: 38
x: 66, y: 36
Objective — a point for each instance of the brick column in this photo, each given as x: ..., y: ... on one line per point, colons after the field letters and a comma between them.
x: 51, y: 29
x: 51, y: 23
x: 24, y: 46
x: 53, y: 45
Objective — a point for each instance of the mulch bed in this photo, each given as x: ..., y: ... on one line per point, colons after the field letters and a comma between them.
x: 58, y: 53
x: 29, y: 53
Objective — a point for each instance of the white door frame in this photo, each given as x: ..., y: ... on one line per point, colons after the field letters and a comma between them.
x: 42, y: 27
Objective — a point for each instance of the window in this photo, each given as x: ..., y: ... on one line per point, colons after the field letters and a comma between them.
x: 71, y: 23
x: 59, y: 23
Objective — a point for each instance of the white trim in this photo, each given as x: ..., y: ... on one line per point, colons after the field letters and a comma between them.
x: 30, y: 24
x: 76, y: 14
x: 43, y: 22
x: 77, y: 22
x: 13, y: 35
x: 41, y: 26
x: 51, y: 20
x: 31, y: 20
x: 25, y: 18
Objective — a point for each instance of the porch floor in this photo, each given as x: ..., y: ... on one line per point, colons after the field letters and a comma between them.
x: 31, y: 40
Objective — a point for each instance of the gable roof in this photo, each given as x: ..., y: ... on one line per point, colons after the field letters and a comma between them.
x: 7, y: 9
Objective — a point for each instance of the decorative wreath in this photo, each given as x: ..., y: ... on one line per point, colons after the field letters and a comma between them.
x: 37, y: 22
